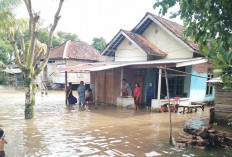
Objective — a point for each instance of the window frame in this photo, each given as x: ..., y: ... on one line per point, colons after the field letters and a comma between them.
x: 209, y: 89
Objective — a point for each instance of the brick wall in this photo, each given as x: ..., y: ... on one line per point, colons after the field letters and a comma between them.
x: 202, y: 68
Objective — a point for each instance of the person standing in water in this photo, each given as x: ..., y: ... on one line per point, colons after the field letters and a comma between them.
x: 81, y: 93
x: 136, y: 96
x: 150, y: 95
x: 2, y: 143
x: 71, y: 99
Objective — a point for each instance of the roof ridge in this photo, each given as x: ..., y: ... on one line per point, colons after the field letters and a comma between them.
x: 60, y: 45
x: 163, y: 18
x: 66, y: 49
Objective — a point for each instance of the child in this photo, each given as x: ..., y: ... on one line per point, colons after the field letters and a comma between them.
x: 136, y: 96
x: 2, y: 142
x: 89, y: 95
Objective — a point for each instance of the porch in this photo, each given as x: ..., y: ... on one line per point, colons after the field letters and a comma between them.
x: 106, y: 80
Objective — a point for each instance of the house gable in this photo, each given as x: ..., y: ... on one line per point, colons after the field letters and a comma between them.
x: 157, y: 37
x: 172, y: 28
x: 127, y: 51
x: 166, y: 42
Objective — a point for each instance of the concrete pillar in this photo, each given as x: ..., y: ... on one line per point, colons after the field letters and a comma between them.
x: 121, y: 79
x: 159, y: 86
x: 66, y: 80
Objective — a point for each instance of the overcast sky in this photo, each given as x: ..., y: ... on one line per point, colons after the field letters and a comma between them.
x: 93, y: 18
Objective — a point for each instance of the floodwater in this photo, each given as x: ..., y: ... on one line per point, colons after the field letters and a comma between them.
x: 90, y: 130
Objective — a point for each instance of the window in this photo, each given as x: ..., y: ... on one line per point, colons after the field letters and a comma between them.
x: 51, y: 61
x: 176, y: 86
x: 209, y: 89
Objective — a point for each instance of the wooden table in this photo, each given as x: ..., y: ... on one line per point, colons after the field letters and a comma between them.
x: 190, y: 107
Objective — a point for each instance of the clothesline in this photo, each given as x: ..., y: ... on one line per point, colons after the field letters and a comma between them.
x: 169, y: 69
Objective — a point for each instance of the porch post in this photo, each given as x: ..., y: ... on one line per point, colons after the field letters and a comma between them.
x: 159, y: 87
x: 121, y: 79
x: 16, y: 81
x: 66, y: 78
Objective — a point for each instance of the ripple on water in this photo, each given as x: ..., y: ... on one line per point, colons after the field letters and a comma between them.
x: 88, y: 131
x: 152, y: 154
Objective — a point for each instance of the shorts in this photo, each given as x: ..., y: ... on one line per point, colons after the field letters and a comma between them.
x: 2, y: 153
x: 148, y: 102
x: 136, y: 101
x: 81, y: 100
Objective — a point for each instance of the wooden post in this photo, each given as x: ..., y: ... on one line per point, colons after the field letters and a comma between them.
x: 66, y: 80
x: 16, y: 81
x: 159, y: 87
x: 169, y: 109
x: 121, y: 80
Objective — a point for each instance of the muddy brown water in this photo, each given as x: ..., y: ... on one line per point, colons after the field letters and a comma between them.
x: 90, y: 130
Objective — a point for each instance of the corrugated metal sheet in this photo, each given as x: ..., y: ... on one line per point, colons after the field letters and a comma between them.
x: 12, y: 71
x: 111, y: 65
x: 215, y: 80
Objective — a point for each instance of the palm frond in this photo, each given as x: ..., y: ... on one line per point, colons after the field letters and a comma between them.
x: 9, y: 4
x: 7, y: 19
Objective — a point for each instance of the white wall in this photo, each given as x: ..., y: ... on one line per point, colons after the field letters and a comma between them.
x: 60, y: 77
x: 72, y: 77
x: 166, y: 42
x: 129, y: 52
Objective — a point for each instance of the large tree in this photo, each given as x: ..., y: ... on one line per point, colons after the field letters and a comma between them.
x: 7, y: 19
x: 64, y: 36
x: 6, y: 50
x: 44, y: 37
x: 30, y: 67
x: 209, y: 22
x: 99, y: 43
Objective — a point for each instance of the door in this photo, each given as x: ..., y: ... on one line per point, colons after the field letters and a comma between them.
x: 109, y: 87
x: 101, y: 86
x: 140, y: 80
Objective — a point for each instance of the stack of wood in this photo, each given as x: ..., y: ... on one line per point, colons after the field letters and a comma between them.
x: 201, y: 139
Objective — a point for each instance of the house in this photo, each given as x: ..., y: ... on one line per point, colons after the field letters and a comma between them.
x: 139, y: 56
x: 223, y: 101
x: 13, y: 75
x: 68, y: 54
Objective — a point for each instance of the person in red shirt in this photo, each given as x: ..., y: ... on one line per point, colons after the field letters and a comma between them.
x: 136, y: 95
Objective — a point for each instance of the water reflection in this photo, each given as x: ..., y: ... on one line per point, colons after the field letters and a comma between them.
x: 76, y: 130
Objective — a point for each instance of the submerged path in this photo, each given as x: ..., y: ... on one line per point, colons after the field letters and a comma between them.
x: 89, y: 130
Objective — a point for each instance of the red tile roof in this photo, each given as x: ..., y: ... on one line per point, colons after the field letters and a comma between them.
x: 57, y: 52
x: 83, y: 51
x: 77, y: 50
x: 146, y: 45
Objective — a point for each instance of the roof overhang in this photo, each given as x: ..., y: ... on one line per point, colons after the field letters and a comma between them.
x: 100, y: 66
x: 110, y: 49
x: 117, y: 40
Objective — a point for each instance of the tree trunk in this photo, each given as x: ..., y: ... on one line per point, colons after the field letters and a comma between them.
x: 30, y: 89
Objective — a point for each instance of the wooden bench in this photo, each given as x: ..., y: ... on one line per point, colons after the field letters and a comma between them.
x: 198, y: 103
x: 190, y: 107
